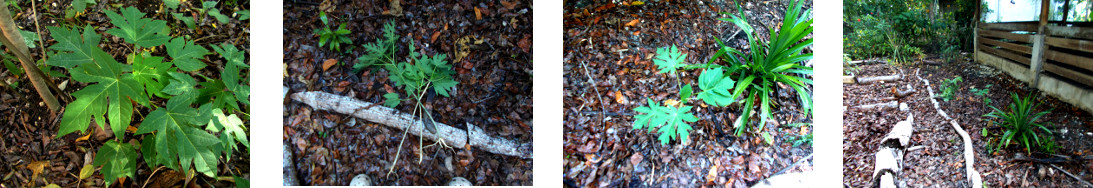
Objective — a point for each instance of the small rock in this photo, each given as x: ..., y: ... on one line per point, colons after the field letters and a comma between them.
x: 459, y: 181
x: 361, y: 180
x: 903, y: 107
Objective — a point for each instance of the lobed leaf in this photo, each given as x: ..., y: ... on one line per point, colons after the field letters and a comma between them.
x: 135, y: 29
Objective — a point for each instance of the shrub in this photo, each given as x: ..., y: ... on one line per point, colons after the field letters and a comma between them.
x: 176, y: 135
x: 1020, y: 124
x: 948, y: 88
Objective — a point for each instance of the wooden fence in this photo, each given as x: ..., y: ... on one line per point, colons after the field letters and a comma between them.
x: 1062, y: 51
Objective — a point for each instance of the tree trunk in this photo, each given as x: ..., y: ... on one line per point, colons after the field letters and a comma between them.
x: 14, y: 40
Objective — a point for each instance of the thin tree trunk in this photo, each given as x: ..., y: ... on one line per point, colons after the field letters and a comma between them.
x: 14, y: 40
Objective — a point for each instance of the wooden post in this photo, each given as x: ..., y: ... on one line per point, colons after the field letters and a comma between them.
x: 1038, y: 47
x: 975, y: 30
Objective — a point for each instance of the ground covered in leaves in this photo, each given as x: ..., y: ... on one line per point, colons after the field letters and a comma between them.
x: 940, y: 162
x: 608, y: 71
x: 488, y: 45
x: 31, y: 154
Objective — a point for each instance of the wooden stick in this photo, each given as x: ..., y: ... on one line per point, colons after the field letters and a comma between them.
x: 878, y: 106
x: 289, y: 168
x: 969, y: 154
x: 889, y: 78
x: 1086, y: 183
x: 454, y: 137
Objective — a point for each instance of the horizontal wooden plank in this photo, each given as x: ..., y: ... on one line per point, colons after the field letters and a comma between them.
x: 1005, y: 54
x: 1006, y: 35
x: 1070, y: 74
x: 1012, y: 26
x: 1006, y: 45
x: 1070, y: 59
x: 1075, y: 44
x: 1070, y: 32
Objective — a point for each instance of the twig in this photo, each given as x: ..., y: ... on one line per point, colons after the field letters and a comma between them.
x: 969, y: 158
x: 799, y: 161
x: 592, y: 81
x: 1086, y: 183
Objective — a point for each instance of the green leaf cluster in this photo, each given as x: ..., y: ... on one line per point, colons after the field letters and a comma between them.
x: 671, y: 121
x: 768, y: 63
x: 1020, y: 124
x: 177, y: 135
x: 335, y: 37
x: 381, y: 52
x: 669, y: 59
x: 948, y: 88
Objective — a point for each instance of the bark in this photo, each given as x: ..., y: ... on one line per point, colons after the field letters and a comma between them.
x: 866, y: 62
x: 889, y: 78
x: 451, y: 136
x: 973, y: 176
x: 289, y: 167
x: 849, y: 79
x: 889, y: 159
x: 14, y: 40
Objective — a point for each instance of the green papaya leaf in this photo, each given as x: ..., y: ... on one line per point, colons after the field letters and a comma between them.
x: 185, y: 55
x: 391, y: 100
x: 135, y: 29
x: 117, y: 160
x: 669, y: 59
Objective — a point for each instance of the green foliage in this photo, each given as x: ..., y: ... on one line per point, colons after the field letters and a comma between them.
x: 983, y: 93
x: 114, y: 91
x: 177, y: 135
x: 671, y: 120
x: 1020, y: 124
x: 117, y: 160
x: 715, y: 87
x: 81, y: 5
x: 336, y: 37
x: 210, y: 8
x: 897, y: 29
x: 173, y: 4
x: 135, y: 29
x: 391, y: 100
x: 669, y: 59
x: 948, y: 88
x: 425, y: 71
x: 381, y: 52
x: 769, y: 63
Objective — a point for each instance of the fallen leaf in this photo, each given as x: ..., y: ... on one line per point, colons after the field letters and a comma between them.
x: 86, y: 171
x: 509, y: 4
x: 36, y: 168
x: 477, y: 14
x: 671, y: 102
x: 435, y: 35
x: 633, y: 22
x: 284, y: 71
x: 84, y: 138
x: 636, y: 159
x: 52, y: 186
x: 637, y: 3
x: 619, y: 98
x: 712, y: 174
x: 329, y: 63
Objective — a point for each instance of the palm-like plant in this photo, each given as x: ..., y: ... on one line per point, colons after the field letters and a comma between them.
x: 778, y: 61
x: 1020, y: 123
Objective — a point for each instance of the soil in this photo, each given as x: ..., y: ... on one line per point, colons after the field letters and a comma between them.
x: 941, y: 163
x: 30, y: 130
x: 494, y: 91
x: 608, y: 71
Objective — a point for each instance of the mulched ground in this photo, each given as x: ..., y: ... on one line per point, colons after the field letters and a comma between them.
x: 29, y: 130
x: 941, y: 163
x: 608, y: 71
x: 494, y: 91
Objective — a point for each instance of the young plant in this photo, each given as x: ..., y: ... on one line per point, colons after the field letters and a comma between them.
x: 672, y: 119
x: 380, y: 52
x: 336, y: 37
x: 1020, y: 124
x: 948, y: 88
x: 983, y: 93
x: 779, y: 61
x: 177, y: 135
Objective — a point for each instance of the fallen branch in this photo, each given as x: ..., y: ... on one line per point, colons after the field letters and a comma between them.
x: 452, y: 136
x: 889, y: 158
x: 878, y: 106
x: 289, y: 167
x: 867, y: 61
x: 969, y: 154
x: 889, y: 78
x: 1086, y: 183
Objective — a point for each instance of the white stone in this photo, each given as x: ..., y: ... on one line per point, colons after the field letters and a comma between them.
x: 460, y: 181
x: 361, y: 180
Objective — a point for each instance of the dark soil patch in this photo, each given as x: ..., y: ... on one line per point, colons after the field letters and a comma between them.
x: 608, y: 71
x: 494, y: 91
x: 940, y: 162
x: 30, y: 130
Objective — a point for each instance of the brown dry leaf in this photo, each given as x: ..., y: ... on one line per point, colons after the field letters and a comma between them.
x: 329, y: 63
x: 671, y: 102
x: 509, y: 4
x: 477, y: 14
x: 36, y: 168
x: 637, y: 3
x: 712, y: 174
x: 284, y: 71
x: 433, y: 38
x: 619, y: 98
x: 633, y: 22
x: 131, y: 129
x: 636, y: 159
x: 327, y: 6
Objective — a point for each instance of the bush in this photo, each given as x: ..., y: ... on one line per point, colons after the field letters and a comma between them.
x: 948, y: 88
x: 1020, y: 124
